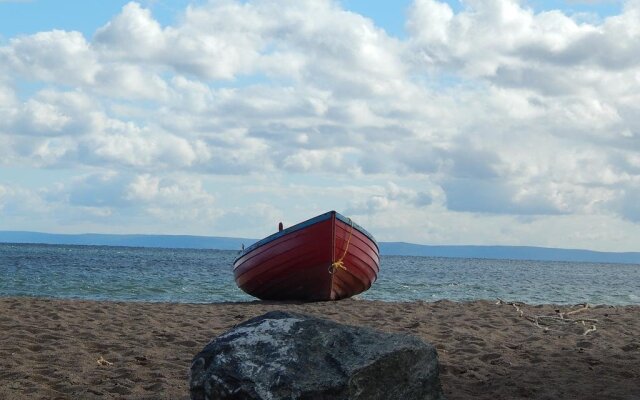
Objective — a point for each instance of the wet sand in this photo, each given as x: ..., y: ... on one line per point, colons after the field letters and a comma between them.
x: 64, y: 349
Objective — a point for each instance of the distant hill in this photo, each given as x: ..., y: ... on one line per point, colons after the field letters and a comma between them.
x: 168, y: 241
x: 386, y: 248
x: 508, y: 253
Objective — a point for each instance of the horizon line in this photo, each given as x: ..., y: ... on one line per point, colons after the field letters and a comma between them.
x: 632, y: 252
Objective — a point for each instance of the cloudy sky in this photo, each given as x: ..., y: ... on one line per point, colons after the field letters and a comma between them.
x: 428, y: 121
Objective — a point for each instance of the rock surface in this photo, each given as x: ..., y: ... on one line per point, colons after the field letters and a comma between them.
x: 282, y: 355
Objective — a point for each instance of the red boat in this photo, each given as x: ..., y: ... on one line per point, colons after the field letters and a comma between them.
x: 328, y: 257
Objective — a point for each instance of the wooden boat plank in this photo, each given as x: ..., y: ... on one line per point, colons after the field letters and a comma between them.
x: 295, y: 264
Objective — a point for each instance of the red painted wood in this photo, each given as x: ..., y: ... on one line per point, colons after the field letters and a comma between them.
x: 361, y: 261
x: 296, y: 265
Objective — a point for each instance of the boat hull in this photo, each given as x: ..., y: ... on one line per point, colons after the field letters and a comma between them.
x: 325, y: 258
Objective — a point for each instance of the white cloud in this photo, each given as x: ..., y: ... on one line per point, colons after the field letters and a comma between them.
x: 313, y: 160
x: 388, y: 198
x: 131, y: 146
x: 214, y: 41
x: 132, y: 35
x: 55, y: 56
x: 629, y: 202
x: 509, y: 44
x: 168, y: 191
x: 253, y: 222
x: 7, y: 96
x: 129, y: 82
x: 493, y: 114
x: 18, y: 202
x: 56, y: 113
x: 173, y: 200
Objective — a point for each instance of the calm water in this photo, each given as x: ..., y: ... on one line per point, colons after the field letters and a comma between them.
x: 203, y: 276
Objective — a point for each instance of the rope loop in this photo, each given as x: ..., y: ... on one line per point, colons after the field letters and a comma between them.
x: 340, y: 263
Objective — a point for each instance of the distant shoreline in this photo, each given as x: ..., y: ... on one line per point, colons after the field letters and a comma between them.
x: 532, y: 253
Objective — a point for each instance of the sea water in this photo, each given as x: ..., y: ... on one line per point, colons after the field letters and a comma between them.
x: 205, y: 276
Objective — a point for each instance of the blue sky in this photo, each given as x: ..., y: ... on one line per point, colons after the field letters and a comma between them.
x: 31, y: 16
x: 477, y: 122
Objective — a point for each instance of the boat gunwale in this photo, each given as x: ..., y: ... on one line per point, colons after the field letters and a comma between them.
x: 302, y: 225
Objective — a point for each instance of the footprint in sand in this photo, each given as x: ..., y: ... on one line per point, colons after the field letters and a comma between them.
x: 142, y: 360
x: 187, y: 343
x: 464, y: 351
x: 48, y: 337
x: 118, y: 389
x: 53, y: 316
x: 35, y: 348
x: 489, y: 357
x: 156, y: 387
x: 584, y: 344
x: 413, y: 325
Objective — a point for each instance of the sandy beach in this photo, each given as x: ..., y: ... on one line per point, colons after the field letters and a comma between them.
x: 65, y: 349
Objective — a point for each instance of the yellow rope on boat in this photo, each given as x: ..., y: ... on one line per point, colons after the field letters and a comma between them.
x: 340, y: 264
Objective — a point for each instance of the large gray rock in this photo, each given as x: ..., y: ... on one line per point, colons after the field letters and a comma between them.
x: 282, y: 355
